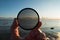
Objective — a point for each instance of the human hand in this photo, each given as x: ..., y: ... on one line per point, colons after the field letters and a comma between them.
x: 35, y: 34
x: 14, y: 31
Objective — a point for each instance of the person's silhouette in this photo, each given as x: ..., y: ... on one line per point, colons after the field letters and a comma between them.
x: 34, y: 34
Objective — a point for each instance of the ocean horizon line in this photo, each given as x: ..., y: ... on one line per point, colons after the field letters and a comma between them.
x: 40, y: 18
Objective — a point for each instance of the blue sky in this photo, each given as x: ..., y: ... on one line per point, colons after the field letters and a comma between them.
x: 45, y: 8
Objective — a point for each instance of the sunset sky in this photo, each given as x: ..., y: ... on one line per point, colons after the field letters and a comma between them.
x: 45, y: 8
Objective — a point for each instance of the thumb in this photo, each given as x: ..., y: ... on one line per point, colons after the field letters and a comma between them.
x: 15, y: 24
x: 14, y: 28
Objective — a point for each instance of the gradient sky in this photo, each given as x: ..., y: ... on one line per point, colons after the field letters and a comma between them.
x: 45, y: 8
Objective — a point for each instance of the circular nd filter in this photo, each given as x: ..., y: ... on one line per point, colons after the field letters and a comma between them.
x: 28, y: 18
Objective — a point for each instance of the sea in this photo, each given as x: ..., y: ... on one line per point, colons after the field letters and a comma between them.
x: 51, y: 27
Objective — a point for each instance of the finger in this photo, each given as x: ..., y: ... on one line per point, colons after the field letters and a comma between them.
x: 39, y: 25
